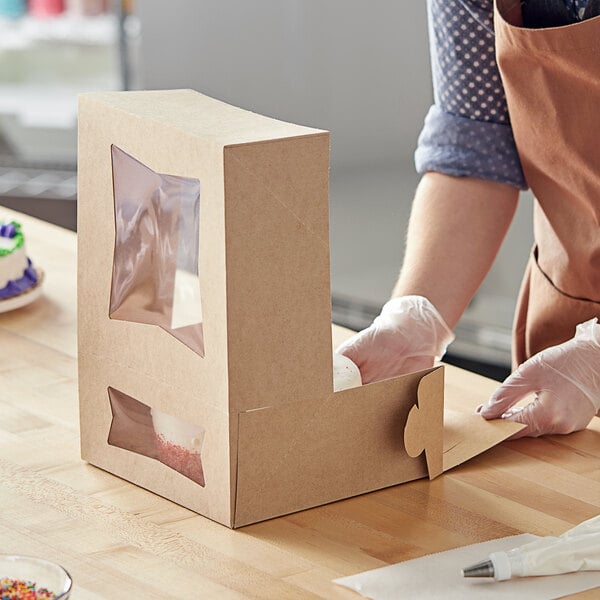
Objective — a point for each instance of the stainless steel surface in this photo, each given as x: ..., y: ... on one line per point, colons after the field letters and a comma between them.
x: 29, y: 182
x: 44, y: 64
x: 485, y: 568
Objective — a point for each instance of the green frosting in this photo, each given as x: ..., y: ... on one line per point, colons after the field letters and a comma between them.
x: 18, y: 240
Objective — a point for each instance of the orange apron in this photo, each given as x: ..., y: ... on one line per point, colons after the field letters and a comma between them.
x: 552, y: 83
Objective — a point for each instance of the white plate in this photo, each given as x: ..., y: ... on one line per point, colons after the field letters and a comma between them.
x: 26, y: 297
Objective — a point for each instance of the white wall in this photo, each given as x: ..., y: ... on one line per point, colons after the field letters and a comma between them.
x: 359, y: 69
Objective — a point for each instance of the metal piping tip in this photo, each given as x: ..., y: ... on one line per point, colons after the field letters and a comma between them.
x: 485, y: 568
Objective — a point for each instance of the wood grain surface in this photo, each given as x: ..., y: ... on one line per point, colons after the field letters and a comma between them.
x: 120, y: 541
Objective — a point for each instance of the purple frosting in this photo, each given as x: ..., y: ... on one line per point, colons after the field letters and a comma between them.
x: 17, y: 286
x: 8, y: 230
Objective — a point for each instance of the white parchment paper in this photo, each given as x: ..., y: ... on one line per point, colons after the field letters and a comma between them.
x: 438, y: 576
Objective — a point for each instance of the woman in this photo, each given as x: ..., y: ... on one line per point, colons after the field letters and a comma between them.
x: 539, y: 62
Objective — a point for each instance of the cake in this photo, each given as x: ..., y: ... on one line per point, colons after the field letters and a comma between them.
x: 17, y: 274
x: 346, y: 374
x: 178, y: 445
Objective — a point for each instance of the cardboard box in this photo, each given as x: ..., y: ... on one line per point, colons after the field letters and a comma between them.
x: 224, y: 402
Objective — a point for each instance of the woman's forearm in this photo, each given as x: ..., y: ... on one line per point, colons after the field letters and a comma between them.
x: 456, y: 228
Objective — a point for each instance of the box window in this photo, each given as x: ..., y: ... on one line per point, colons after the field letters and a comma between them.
x: 172, y: 441
x: 155, y: 269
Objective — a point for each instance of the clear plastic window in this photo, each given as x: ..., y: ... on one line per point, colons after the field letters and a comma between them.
x: 172, y: 441
x: 155, y: 269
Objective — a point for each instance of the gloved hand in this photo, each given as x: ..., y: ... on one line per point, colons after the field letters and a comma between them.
x: 407, y: 336
x: 565, y: 380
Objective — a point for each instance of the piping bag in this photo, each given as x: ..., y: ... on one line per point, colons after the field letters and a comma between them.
x: 577, y: 549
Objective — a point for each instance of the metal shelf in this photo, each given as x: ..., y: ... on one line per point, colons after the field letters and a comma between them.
x: 68, y: 28
x: 24, y: 182
x: 44, y: 64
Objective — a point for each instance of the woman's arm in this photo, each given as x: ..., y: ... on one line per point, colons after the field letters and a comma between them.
x: 456, y: 228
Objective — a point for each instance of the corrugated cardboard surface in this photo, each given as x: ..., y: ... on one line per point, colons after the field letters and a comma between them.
x: 144, y: 361
x: 215, y: 499
x: 278, y: 439
x: 425, y: 421
x: 320, y: 450
x: 279, y: 301
x: 266, y: 271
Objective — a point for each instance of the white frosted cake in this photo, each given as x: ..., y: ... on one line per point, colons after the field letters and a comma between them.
x: 17, y: 274
x: 346, y: 374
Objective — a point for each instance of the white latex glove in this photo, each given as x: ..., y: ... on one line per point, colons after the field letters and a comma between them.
x: 407, y: 336
x: 565, y: 380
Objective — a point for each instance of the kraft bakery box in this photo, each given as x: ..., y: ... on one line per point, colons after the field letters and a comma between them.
x: 204, y: 317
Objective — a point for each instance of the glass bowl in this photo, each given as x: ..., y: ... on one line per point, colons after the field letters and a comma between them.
x: 42, y: 573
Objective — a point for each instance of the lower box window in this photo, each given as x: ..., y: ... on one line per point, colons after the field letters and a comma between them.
x: 155, y: 434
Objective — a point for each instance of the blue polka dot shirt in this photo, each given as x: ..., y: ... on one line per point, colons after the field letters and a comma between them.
x: 467, y: 130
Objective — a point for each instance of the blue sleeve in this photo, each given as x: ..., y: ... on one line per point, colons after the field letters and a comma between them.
x: 467, y: 131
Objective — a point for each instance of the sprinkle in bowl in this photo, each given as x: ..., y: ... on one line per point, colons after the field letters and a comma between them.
x: 31, y: 578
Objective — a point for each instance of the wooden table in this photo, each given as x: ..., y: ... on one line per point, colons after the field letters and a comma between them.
x: 120, y: 541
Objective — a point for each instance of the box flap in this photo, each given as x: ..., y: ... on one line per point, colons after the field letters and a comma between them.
x: 425, y: 421
x: 466, y: 434
x: 300, y: 455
